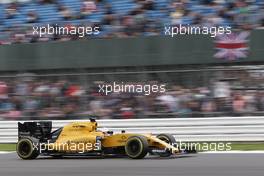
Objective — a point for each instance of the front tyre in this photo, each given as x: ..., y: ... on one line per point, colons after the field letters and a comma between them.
x: 136, y: 147
x: 27, y: 148
x: 168, y: 138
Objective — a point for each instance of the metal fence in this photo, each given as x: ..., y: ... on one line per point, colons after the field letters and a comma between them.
x: 184, y: 129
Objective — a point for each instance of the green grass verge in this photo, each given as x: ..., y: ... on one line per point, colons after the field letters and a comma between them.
x: 216, y: 146
x: 248, y: 146
x: 234, y: 146
x: 7, y: 147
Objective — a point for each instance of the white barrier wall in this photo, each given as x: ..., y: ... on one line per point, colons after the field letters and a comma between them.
x: 184, y: 129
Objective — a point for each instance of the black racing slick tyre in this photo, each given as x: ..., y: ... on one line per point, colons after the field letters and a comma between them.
x: 136, y: 147
x: 168, y: 138
x: 27, y: 148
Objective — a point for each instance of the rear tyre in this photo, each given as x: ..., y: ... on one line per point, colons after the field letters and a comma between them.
x: 136, y: 147
x: 168, y: 138
x: 27, y: 148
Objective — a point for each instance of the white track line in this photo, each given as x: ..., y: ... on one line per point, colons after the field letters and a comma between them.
x: 1, y: 152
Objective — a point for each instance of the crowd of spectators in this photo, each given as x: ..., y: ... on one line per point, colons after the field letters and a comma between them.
x: 63, y: 99
x: 147, y: 17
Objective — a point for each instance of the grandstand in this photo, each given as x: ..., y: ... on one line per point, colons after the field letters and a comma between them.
x: 63, y: 77
x: 17, y: 19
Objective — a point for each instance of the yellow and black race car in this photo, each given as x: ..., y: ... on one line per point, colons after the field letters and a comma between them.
x: 83, y: 138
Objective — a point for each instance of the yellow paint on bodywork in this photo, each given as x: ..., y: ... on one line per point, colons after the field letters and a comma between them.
x: 77, y: 134
x: 119, y: 140
x: 86, y: 133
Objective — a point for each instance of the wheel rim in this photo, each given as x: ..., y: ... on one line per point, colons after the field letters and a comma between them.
x: 134, y: 147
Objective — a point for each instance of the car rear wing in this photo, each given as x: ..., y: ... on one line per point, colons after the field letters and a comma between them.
x: 40, y: 130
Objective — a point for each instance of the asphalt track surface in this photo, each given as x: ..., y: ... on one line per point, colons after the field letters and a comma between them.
x: 188, y: 165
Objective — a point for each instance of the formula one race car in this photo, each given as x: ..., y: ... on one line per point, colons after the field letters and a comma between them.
x: 83, y: 138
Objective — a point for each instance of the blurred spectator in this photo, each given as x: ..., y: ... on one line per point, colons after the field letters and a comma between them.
x: 66, y: 13
x: 239, y: 104
x: 11, y: 10
x: 3, y: 91
x: 208, y: 106
x: 177, y: 13
x: 88, y: 7
x: 169, y: 101
x: 32, y: 17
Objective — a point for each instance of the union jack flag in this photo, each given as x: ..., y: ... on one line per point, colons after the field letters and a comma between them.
x: 232, y: 46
